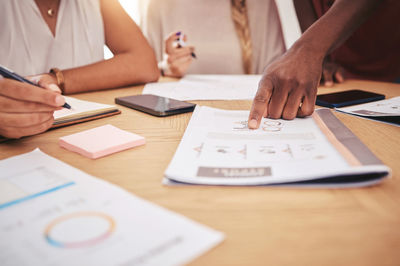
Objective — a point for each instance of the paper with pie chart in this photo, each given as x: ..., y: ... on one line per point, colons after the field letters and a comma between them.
x: 219, y: 149
x: 54, y: 214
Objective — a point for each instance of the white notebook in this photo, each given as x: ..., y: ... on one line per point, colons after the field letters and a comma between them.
x: 82, y: 111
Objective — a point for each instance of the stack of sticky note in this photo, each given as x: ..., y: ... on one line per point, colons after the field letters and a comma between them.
x: 101, y: 141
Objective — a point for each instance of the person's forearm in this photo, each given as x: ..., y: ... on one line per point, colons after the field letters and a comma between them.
x: 305, y: 13
x: 121, y: 70
x: 335, y: 26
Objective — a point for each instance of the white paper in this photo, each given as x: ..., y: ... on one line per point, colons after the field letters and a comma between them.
x: 54, y: 214
x: 207, y: 87
x: 78, y: 107
x: 219, y: 149
x: 389, y: 107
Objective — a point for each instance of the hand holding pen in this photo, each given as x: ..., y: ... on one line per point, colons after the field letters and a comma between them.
x: 178, y: 55
x: 182, y: 42
x: 25, y: 109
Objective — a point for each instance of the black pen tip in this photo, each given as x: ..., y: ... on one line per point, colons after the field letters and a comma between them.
x: 66, y: 105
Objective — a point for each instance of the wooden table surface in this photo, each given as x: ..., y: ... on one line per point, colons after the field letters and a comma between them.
x: 263, y: 225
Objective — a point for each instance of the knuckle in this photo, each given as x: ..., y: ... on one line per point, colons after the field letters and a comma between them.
x: 36, y: 118
x: 304, y: 83
x: 274, y: 114
x: 2, y: 121
x: 170, y: 60
x: 44, y: 126
x: 309, y: 111
x: 173, y: 68
x: 289, y: 117
x: 291, y: 81
x: 311, y: 91
x: 48, y: 97
x: 5, y: 104
x: 261, y: 98
x: 181, y: 69
x: 306, y: 111
x: 11, y: 134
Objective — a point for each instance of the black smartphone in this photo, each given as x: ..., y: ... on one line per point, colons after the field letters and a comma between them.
x: 155, y: 105
x: 346, y: 98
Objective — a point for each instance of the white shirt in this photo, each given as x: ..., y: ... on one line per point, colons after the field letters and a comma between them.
x: 28, y: 47
x: 210, y: 28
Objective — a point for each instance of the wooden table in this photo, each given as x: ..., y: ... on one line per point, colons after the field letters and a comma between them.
x: 263, y: 225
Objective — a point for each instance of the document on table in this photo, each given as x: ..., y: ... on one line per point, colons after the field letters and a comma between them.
x: 54, y: 214
x: 207, y: 87
x: 385, y: 110
x: 219, y: 149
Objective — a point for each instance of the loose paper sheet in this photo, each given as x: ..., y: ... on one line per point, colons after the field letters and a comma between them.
x: 54, y: 214
x: 389, y: 107
x: 207, y: 87
x: 387, y: 111
x: 219, y: 149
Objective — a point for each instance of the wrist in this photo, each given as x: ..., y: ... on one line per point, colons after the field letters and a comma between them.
x: 59, y: 77
x: 163, y: 67
x: 309, y: 50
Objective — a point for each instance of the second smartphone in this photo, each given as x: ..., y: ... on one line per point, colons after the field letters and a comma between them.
x: 346, y: 98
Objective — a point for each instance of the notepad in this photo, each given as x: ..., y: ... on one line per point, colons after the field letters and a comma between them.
x: 101, y: 141
x: 82, y: 111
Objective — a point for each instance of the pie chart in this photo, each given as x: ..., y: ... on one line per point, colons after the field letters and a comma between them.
x: 80, y: 229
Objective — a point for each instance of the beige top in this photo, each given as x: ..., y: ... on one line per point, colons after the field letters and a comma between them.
x: 209, y: 27
x: 28, y: 47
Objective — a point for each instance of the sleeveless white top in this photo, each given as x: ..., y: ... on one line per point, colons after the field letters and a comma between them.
x: 28, y: 47
x: 209, y: 27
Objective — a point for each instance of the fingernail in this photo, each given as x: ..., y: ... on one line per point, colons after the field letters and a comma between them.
x: 35, y: 79
x: 1, y: 77
x: 329, y: 84
x: 178, y: 33
x: 252, y: 124
x: 60, y: 100
x: 54, y: 88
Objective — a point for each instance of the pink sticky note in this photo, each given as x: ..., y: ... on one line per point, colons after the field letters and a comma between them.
x: 101, y: 141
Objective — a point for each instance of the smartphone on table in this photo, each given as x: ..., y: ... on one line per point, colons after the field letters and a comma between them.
x: 155, y: 105
x: 346, y: 98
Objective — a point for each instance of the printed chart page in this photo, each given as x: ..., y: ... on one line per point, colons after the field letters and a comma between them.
x: 54, y: 214
x: 219, y: 149
x: 207, y: 87
x: 385, y: 110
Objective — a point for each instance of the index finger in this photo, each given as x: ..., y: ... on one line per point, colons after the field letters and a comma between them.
x: 26, y: 92
x: 169, y: 42
x: 260, y: 103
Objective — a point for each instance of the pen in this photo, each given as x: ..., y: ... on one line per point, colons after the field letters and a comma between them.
x: 5, y: 72
x: 182, y: 43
